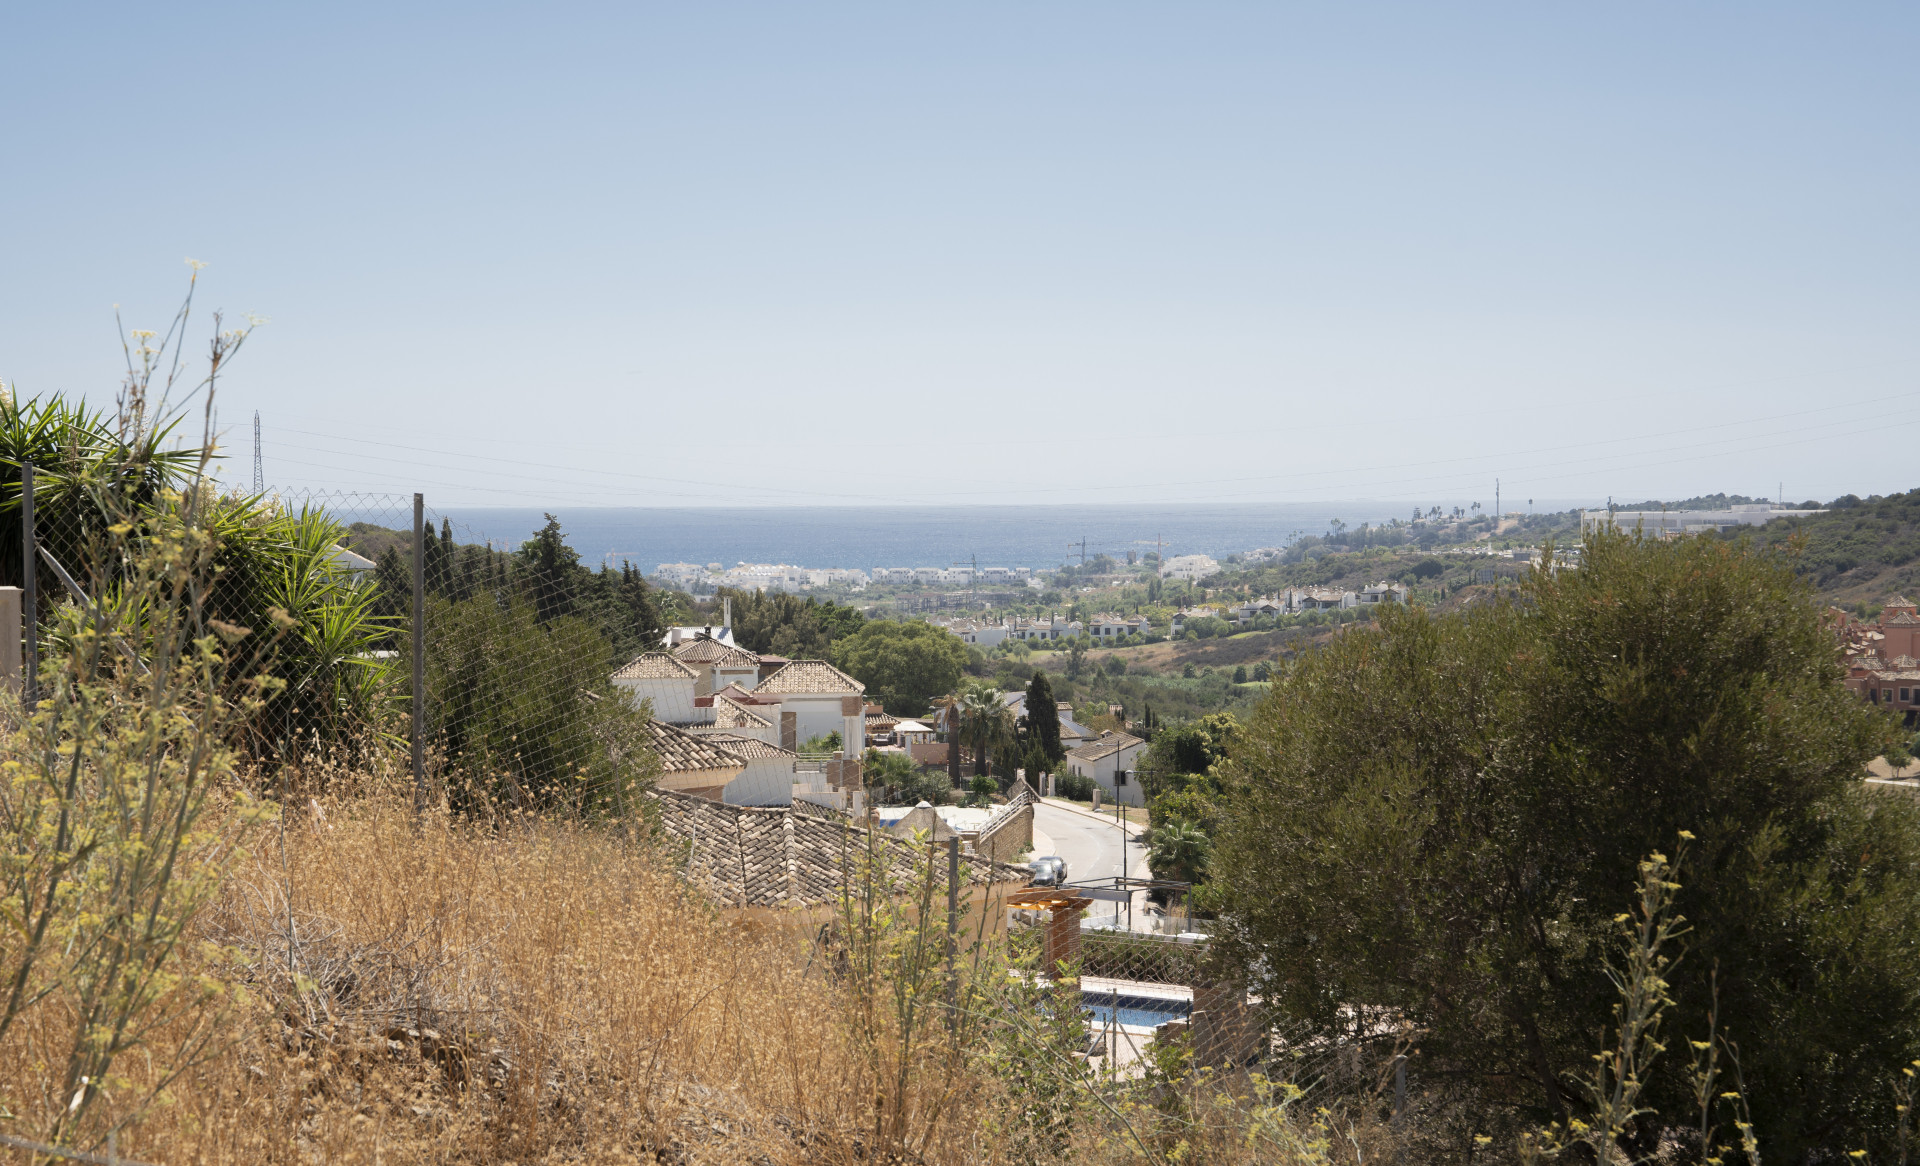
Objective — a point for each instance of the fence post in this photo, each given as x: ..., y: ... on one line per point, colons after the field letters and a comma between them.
x: 419, y: 729
x: 953, y: 928
x: 30, y: 593
x: 10, y: 631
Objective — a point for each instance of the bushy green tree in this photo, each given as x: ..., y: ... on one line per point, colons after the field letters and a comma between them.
x: 789, y: 625
x: 904, y: 665
x: 521, y: 709
x: 1443, y: 815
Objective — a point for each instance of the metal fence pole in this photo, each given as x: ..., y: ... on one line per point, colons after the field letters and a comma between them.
x: 953, y: 928
x: 419, y: 728
x: 30, y: 599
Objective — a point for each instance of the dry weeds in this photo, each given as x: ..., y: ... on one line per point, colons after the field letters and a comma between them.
x: 529, y: 992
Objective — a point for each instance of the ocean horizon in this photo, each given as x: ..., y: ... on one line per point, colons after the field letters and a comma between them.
x: 917, y: 536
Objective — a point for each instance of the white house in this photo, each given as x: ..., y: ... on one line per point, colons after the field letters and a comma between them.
x: 1108, y: 626
x: 1320, y: 599
x: 719, y: 664
x: 1383, y: 592
x: 1255, y: 608
x: 1187, y: 615
x: 658, y: 677
x: 816, y: 699
x: 691, y: 764
x: 1194, y: 567
x: 767, y: 779
x: 1111, y: 760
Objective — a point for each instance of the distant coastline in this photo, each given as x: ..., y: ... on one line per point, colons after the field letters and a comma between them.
x: 867, y: 537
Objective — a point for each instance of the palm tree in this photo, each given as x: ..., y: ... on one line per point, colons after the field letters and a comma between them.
x: 985, y: 723
x: 1178, y: 852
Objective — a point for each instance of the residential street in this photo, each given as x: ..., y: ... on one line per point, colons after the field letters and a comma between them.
x: 1092, y: 847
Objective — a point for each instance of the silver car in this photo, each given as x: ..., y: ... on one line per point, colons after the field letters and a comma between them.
x: 1048, y: 870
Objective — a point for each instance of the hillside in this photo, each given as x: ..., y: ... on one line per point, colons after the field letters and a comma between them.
x: 1857, y: 553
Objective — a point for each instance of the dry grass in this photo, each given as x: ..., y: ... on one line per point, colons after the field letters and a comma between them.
x: 530, y: 992
x: 537, y: 993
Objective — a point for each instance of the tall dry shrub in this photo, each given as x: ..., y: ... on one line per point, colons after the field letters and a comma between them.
x: 119, y: 823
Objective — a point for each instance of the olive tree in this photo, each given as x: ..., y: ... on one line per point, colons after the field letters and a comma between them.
x: 1443, y: 815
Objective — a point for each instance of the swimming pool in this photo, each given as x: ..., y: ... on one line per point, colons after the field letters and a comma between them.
x: 1103, y: 1007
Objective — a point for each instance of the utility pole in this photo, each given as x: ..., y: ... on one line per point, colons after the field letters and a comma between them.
x: 1496, y: 506
x: 259, y: 478
x: 418, y: 729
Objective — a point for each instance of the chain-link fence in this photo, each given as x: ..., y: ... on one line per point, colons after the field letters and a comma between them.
x: 409, y: 648
x: 1156, y: 997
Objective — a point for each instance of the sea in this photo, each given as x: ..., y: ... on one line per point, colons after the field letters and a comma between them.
x: 868, y: 537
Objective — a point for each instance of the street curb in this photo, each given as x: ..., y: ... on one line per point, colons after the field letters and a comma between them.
x: 1132, y: 831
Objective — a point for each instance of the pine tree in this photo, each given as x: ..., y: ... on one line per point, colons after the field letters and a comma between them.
x: 1043, y: 718
x: 551, y: 566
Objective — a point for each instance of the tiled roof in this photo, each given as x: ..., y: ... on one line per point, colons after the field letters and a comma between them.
x: 739, y: 695
x: 794, y: 856
x: 1905, y: 662
x: 684, y: 752
x: 747, y: 747
x: 881, y: 721
x: 705, y: 651
x: 1106, y: 746
x: 731, y: 714
x: 805, y: 676
x: 654, y: 666
x: 1898, y: 601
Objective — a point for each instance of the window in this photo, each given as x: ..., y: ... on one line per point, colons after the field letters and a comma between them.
x: 1904, y: 696
x: 1119, y: 778
x: 1887, y: 695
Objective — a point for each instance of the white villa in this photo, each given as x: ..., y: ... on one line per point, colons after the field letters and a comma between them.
x: 1192, y: 567
x: 1111, y: 760
x: 727, y: 723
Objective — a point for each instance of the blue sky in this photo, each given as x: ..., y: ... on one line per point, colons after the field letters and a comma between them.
x: 787, y: 254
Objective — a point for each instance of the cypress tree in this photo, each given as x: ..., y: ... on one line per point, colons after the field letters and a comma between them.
x: 1043, y: 718
x: 444, y: 585
x: 637, y: 607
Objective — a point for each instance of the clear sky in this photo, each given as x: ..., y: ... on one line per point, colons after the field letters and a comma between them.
x: 817, y: 253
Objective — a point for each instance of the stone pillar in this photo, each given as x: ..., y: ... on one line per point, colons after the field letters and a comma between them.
x: 1061, y: 943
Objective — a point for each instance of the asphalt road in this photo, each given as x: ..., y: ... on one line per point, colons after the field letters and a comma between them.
x: 1091, y: 846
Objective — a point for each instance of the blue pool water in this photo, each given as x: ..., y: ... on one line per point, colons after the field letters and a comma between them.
x: 1142, y: 1011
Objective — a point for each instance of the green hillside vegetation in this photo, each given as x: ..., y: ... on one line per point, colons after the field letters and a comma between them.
x: 1857, y: 553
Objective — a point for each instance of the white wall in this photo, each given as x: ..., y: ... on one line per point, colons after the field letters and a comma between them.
x: 672, y: 698
x: 766, y: 781
x: 1102, y: 772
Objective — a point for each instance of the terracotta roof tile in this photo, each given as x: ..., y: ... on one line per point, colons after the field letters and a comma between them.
x: 1106, y: 746
x: 810, y: 676
x: 731, y: 714
x: 748, y: 747
x: 684, y: 752
x: 706, y: 651
x: 654, y: 666
x: 795, y: 856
